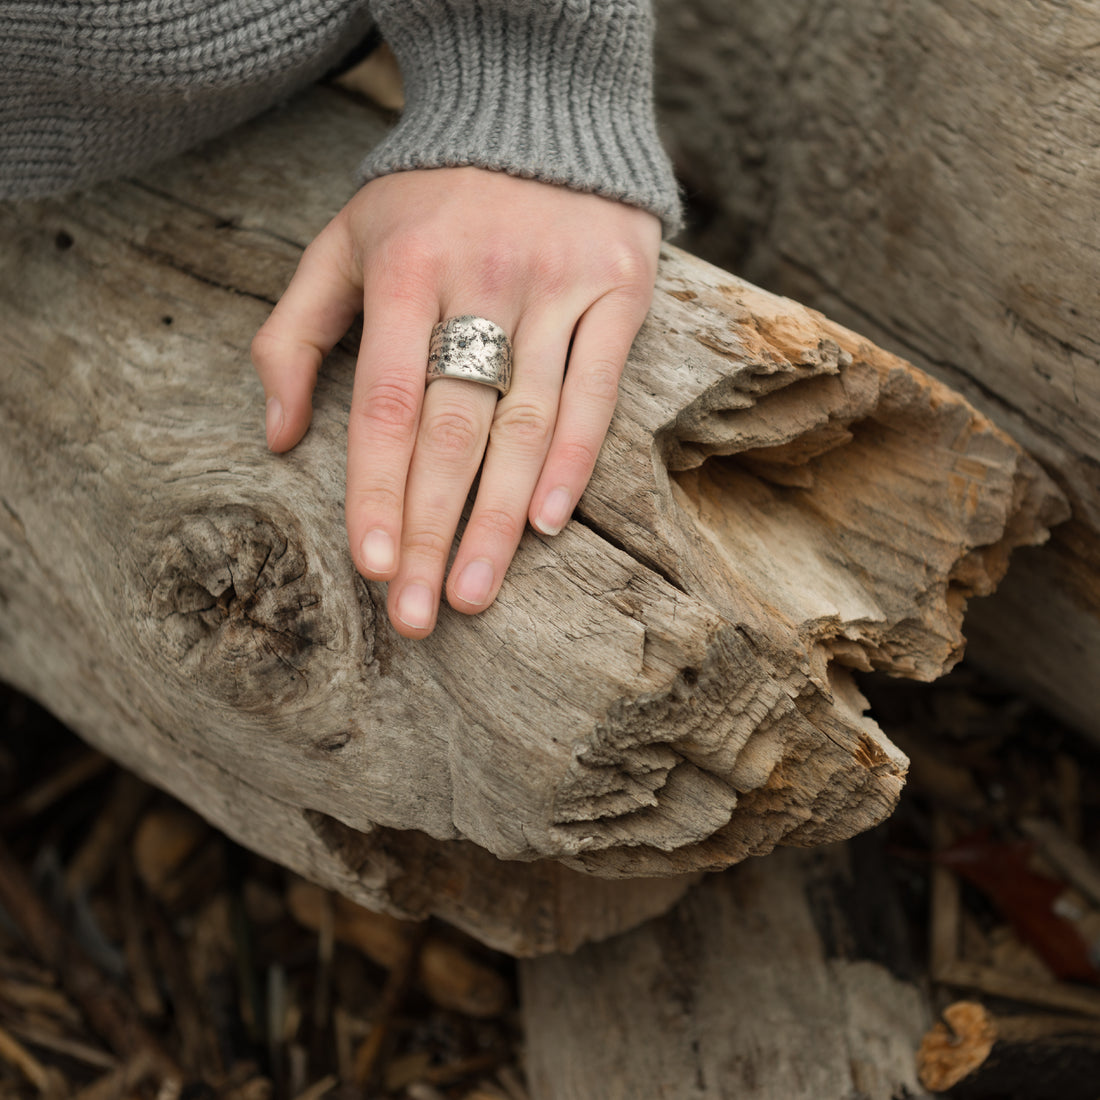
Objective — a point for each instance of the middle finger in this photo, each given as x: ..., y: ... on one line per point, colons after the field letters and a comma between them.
x: 450, y: 442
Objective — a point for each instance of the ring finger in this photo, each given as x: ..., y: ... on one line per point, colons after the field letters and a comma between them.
x: 454, y: 427
x: 523, y: 424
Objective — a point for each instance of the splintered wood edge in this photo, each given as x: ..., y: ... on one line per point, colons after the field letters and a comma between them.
x: 776, y: 393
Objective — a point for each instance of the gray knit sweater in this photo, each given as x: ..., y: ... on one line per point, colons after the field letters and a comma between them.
x: 555, y: 90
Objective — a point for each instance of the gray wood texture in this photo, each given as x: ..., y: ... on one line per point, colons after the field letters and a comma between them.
x: 764, y: 983
x: 662, y: 689
x: 927, y: 172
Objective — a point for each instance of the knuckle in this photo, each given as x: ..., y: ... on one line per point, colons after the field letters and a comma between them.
x: 498, y: 524
x: 275, y: 351
x: 407, y: 267
x: 391, y: 405
x: 265, y: 347
x: 628, y: 267
x: 425, y: 542
x: 576, y: 454
x: 524, y: 425
x: 373, y: 500
x: 552, y: 273
x: 451, y: 434
x: 599, y: 379
x: 496, y: 271
x: 403, y: 251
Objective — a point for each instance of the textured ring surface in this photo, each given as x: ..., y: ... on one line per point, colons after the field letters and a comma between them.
x: 472, y: 348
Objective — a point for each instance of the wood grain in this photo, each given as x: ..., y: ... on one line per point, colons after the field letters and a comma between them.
x: 928, y: 173
x: 763, y: 984
x: 663, y: 688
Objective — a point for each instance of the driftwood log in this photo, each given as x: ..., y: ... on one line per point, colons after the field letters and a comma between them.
x: 782, y: 979
x: 927, y: 172
x: 664, y: 688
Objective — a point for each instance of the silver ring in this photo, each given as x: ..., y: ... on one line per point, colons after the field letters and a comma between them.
x: 473, y: 348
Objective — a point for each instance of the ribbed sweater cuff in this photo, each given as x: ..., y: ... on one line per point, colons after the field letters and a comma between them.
x: 554, y: 90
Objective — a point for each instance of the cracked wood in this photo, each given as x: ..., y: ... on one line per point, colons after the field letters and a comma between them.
x: 929, y: 174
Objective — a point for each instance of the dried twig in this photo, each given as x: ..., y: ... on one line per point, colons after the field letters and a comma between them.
x: 316, y: 1091
x: 510, y: 1081
x: 39, y: 998
x: 138, y: 964
x: 59, y: 1044
x: 13, y: 1052
x: 465, y: 1067
x: 86, y: 767
x: 1070, y: 859
x: 120, y: 1081
x: 113, y: 825
x: 198, y: 1044
x: 369, y: 1054
x: 109, y: 1012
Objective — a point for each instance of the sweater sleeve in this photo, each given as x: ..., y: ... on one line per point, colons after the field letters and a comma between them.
x: 555, y: 90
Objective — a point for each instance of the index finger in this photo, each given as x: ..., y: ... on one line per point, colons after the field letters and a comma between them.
x: 385, y: 412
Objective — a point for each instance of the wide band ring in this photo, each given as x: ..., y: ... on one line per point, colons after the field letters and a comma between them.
x: 473, y: 348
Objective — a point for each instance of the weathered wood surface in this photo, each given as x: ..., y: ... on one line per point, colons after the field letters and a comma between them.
x: 780, y: 979
x: 663, y: 688
x: 927, y: 172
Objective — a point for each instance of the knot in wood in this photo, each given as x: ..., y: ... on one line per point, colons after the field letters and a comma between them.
x: 233, y: 607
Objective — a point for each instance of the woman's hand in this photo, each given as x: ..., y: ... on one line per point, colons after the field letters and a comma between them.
x: 566, y: 275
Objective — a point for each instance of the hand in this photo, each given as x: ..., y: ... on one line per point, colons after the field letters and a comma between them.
x: 547, y: 264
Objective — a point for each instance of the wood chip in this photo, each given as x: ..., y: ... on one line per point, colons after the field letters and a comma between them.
x: 487, y: 1091
x: 466, y: 1067
x: 164, y: 841
x: 407, y: 1068
x: 955, y: 1047
x: 198, y: 1044
x: 450, y: 976
x: 347, y: 1031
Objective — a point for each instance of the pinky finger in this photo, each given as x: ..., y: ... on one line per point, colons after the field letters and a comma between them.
x: 601, y: 344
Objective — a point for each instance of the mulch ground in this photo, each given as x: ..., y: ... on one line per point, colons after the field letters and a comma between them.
x: 142, y: 954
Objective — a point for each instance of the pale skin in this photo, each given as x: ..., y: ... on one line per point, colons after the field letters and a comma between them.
x: 547, y: 264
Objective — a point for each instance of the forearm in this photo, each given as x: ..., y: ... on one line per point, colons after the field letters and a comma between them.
x: 554, y: 90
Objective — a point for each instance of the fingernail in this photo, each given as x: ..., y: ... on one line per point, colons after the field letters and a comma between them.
x: 415, y: 606
x: 474, y: 582
x: 378, y: 551
x: 275, y: 420
x: 555, y: 512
